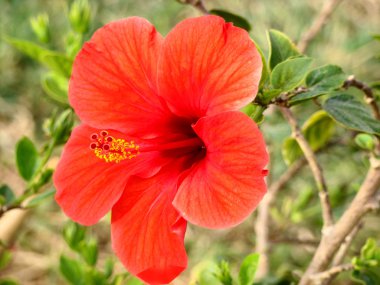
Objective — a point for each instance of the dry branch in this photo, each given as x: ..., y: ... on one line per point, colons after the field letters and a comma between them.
x: 314, y: 166
x: 318, y: 23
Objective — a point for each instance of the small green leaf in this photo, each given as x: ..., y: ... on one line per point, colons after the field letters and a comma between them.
x: 74, y: 234
x: 318, y: 130
x: 56, y: 87
x: 133, y: 281
x: 27, y: 158
x: 7, y: 194
x: 224, y: 274
x: 237, y: 20
x: 328, y: 77
x: 8, y: 282
x: 248, y: 269
x: 352, y: 114
x: 5, y: 258
x: 89, y: 251
x: 289, y: 74
x: 265, y: 70
x: 365, y: 141
x: 40, y: 198
x: 291, y: 150
x: 280, y: 48
x: 72, y: 270
x: 108, y: 267
x: 55, y: 61
x: 204, y: 273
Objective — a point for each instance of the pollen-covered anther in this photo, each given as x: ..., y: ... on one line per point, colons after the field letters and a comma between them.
x: 111, y: 149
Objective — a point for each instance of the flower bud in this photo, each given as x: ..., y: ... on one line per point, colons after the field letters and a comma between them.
x: 40, y: 26
x: 79, y: 16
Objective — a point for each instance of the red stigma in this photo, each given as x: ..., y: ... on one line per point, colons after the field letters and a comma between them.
x: 93, y: 145
x: 94, y: 136
x: 106, y: 147
x: 108, y: 139
x: 103, y: 133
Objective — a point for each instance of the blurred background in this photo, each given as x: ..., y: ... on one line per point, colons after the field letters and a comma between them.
x: 345, y: 41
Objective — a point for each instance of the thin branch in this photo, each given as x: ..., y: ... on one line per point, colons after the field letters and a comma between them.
x: 346, y: 245
x: 318, y: 23
x: 263, y: 217
x: 369, y: 96
x: 198, y: 4
x: 351, y: 217
x: 296, y: 241
x: 315, y: 168
x: 331, y: 273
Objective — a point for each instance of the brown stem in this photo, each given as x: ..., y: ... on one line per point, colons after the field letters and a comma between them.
x: 369, y: 96
x: 321, y: 19
x: 315, y: 168
x: 352, y: 216
x: 198, y: 4
x: 263, y: 217
x: 331, y: 273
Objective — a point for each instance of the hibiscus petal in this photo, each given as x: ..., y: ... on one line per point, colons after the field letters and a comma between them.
x: 87, y: 186
x: 113, y: 83
x: 147, y: 231
x: 223, y: 188
x: 208, y: 66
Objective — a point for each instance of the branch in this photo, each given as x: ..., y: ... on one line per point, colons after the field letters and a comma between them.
x: 346, y: 245
x: 351, y: 217
x: 331, y: 273
x: 198, y: 4
x: 318, y: 23
x: 314, y: 166
x: 263, y: 217
x: 369, y: 96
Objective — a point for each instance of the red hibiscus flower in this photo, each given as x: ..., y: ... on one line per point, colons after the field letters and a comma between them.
x: 162, y: 141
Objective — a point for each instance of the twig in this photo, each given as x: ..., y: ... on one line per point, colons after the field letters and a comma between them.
x: 263, y: 217
x: 369, y: 96
x: 346, y: 245
x: 296, y: 241
x: 318, y: 23
x: 315, y: 168
x: 198, y: 4
x: 351, y: 217
x: 332, y: 272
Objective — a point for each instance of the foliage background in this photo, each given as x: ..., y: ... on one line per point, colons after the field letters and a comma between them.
x: 346, y: 41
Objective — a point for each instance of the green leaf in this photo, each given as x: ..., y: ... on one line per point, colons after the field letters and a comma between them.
x: 55, y: 61
x: 8, y: 282
x: 248, y: 269
x: 365, y: 141
x: 108, y: 267
x: 265, y: 70
x: 289, y: 74
x: 318, y: 130
x: 280, y: 48
x: 40, y: 198
x: 352, y: 114
x: 224, y: 274
x: 5, y: 258
x: 204, y: 273
x: 89, y: 251
x: 74, y: 234
x: 27, y: 158
x: 7, y: 194
x: 56, y: 87
x: 72, y: 270
x: 328, y: 77
x: 237, y: 20
x: 291, y: 150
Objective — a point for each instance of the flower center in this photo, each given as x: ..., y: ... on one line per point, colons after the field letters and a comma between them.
x: 110, y: 149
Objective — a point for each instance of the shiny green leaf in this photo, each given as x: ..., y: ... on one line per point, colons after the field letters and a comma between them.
x: 289, y: 74
x: 27, y: 158
x: 72, y: 270
x: 352, y: 114
x: 7, y: 194
x: 248, y: 269
x: 56, y: 87
x: 280, y: 48
x: 237, y: 20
